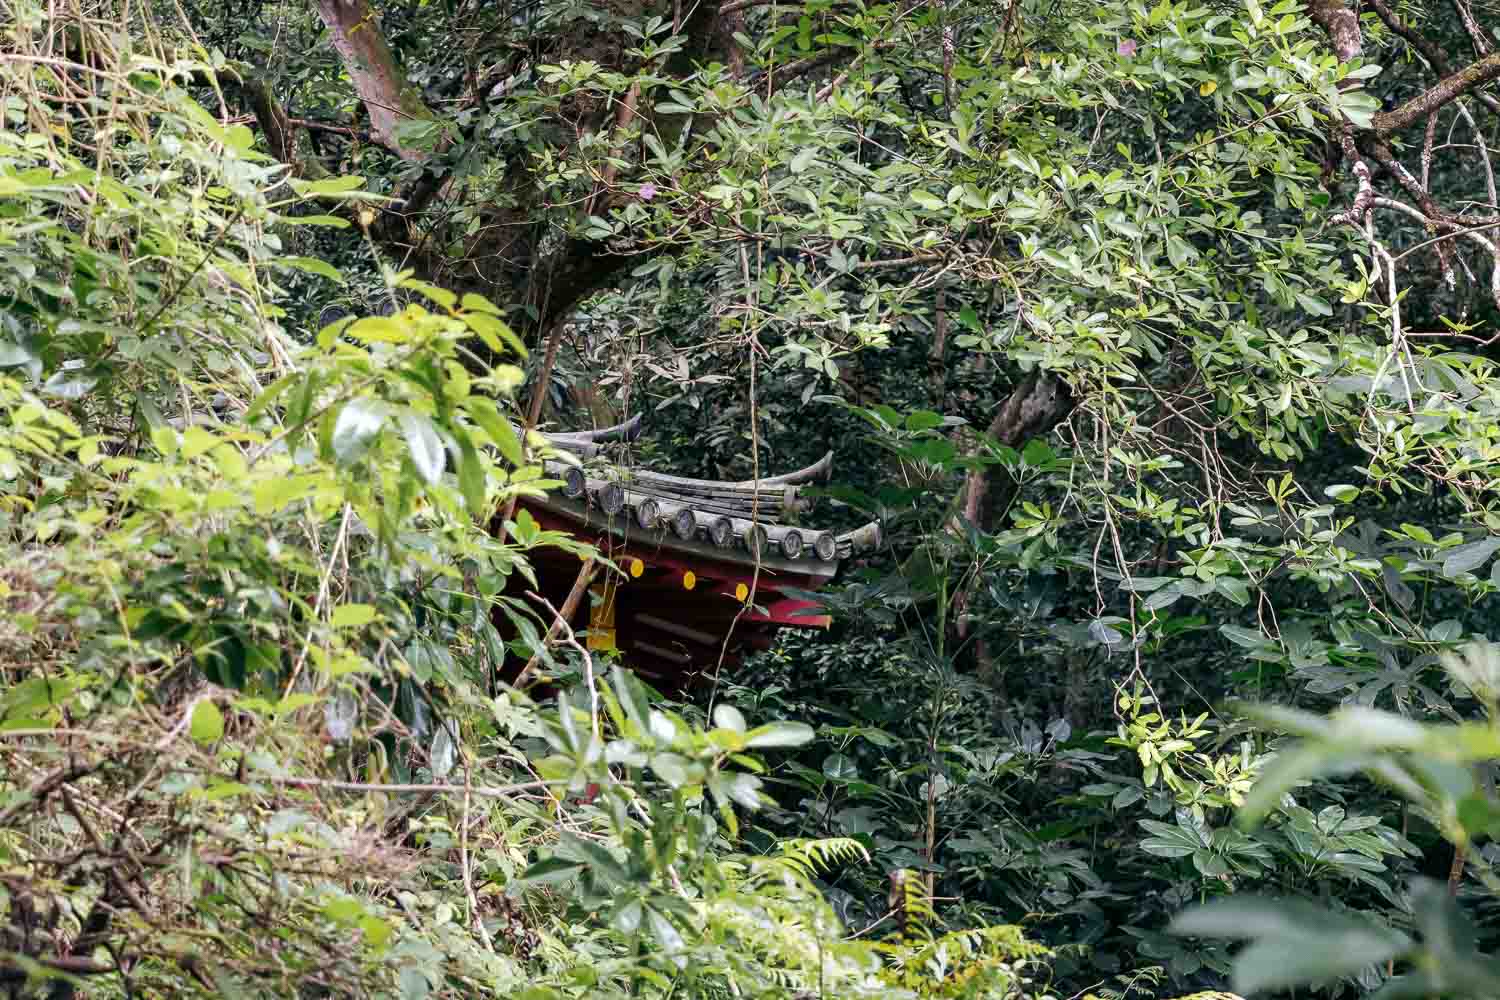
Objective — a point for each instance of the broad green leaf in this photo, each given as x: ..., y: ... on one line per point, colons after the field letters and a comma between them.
x: 424, y: 445
x: 496, y: 427
x: 414, y: 983
x: 471, y: 477
x: 331, y: 221
x: 14, y: 354
x: 1467, y: 558
x: 358, y: 423
x: 379, y: 330
x: 377, y: 931
x: 269, y: 395
x: 206, y: 724
x: 922, y: 420
x: 729, y: 717
x: 1294, y: 943
x: 744, y: 789
x: 327, y: 186
x: 1290, y: 768
x: 352, y: 615
x: 671, y: 768
x: 313, y: 265
x: 496, y: 333
x: 440, y: 296
x: 839, y: 767
x: 779, y: 734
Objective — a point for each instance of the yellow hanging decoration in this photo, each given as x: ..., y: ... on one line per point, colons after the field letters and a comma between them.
x: 689, y: 580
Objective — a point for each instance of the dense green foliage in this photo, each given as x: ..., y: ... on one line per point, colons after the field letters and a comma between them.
x: 1154, y: 335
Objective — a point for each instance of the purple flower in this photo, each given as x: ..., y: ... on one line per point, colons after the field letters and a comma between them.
x: 1126, y: 47
x: 647, y: 191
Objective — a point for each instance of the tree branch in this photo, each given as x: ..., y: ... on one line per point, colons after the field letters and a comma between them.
x: 1430, y: 51
x: 1032, y: 409
x: 1476, y: 33
x: 1448, y: 89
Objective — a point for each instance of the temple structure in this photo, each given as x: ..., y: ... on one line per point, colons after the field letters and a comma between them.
x: 710, y: 569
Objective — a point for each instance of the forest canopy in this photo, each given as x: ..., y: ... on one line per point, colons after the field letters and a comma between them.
x: 1156, y: 342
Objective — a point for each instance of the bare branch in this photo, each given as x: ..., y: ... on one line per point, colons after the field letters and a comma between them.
x: 1475, y: 235
x: 1476, y: 33
x: 1448, y: 89
x: 483, y: 792
x: 1436, y: 58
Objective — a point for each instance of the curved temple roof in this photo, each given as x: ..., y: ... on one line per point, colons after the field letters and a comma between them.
x: 710, y: 568
x: 753, y: 522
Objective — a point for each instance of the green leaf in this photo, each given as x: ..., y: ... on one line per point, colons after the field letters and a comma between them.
x: 62, y: 385
x: 478, y: 303
x: 440, y: 296
x: 729, y: 717
x: 414, y: 984
x: 377, y: 931
x: 1314, y: 304
x: 352, y: 615
x: 471, y: 477
x: 223, y: 789
x: 331, y: 221
x: 922, y: 420
x: 780, y: 734
x: 327, y: 186
x: 928, y: 200
x: 666, y: 934
x: 627, y: 919
x: 269, y: 394
x: 744, y: 789
x: 206, y: 725
x: 379, y: 330
x: 1037, y: 453
x: 223, y: 660
x: 1296, y: 943
x: 14, y: 354
x: 671, y: 768
x: 424, y: 445
x: 839, y: 767
x: 1292, y: 767
x: 1467, y: 558
x: 495, y: 333
x: 496, y: 427
x: 552, y: 870
x: 1164, y: 597
x: 358, y: 423
x: 312, y: 265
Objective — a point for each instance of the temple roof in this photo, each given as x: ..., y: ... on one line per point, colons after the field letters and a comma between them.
x: 707, y: 568
x: 752, y: 522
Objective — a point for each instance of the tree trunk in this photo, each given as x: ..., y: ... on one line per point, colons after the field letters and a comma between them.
x: 1032, y: 409
x: 372, y: 68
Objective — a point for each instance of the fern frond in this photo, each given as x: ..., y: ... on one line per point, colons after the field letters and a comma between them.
x: 915, y: 916
x: 809, y: 857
